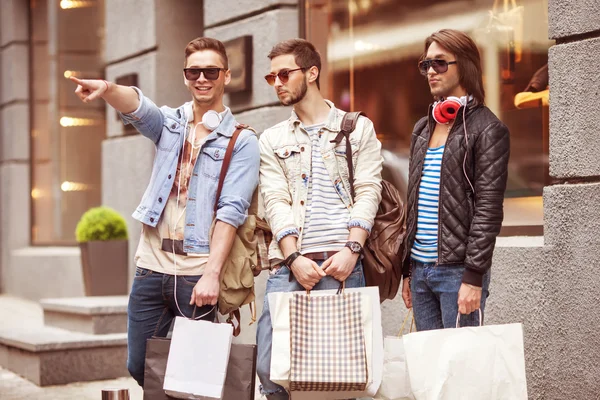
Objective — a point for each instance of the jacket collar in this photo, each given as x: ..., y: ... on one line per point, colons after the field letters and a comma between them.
x: 333, y: 122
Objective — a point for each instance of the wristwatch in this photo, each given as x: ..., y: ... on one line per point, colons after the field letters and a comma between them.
x: 355, y: 247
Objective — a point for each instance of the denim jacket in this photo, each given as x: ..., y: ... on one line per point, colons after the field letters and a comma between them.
x: 166, y: 127
x: 285, y: 151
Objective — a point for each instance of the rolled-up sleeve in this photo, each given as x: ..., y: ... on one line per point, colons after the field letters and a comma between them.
x: 240, y: 182
x: 367, y: 180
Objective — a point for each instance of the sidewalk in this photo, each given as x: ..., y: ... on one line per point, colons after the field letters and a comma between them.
x: 22, y: 313
x: 13, y: 387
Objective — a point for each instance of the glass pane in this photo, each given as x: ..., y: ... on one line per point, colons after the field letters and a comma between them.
x: 66, y: 134
x: 372, y: 47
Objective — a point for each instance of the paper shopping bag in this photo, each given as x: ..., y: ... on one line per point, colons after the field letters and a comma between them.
x: 395, y: 384
x: 239, y: 383
x: 280, y: 354
x: 485, y: 362
x: 328, y: 352
x: 198, y: 359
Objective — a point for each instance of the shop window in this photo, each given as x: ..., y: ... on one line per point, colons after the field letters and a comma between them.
x: 371, y: 49
x: 66, y: 135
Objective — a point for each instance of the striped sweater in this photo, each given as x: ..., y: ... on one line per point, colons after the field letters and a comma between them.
x: 326, y: 221
x: 426, y: 240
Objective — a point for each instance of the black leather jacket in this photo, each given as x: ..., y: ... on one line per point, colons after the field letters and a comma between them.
x: 469, y: 222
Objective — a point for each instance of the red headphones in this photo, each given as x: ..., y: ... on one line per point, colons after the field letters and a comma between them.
x: 444, y: 111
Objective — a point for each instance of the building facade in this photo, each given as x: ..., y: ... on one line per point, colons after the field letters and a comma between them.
x: 59, y: 157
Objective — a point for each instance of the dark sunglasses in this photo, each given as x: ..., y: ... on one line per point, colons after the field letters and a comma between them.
x: 283, y: 75
x: 439, y: 66
x: 212, y: 74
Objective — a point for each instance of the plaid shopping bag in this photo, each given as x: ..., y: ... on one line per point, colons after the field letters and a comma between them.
x: 327, y: 343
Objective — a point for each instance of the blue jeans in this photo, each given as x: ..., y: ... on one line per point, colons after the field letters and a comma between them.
x: 151, y: 311
x: 280, y: 282
x: 434, y: 291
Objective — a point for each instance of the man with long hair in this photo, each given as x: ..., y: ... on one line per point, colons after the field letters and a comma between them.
x: 457, y: 177
x: 318, y: 226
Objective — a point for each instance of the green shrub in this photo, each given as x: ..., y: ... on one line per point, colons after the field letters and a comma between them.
x: 101, y: 223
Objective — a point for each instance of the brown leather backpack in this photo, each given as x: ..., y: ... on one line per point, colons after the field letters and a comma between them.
x: 383, y: 250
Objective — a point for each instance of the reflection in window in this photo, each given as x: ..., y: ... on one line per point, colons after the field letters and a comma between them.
x: 372, y: 48
x: 66, y: 135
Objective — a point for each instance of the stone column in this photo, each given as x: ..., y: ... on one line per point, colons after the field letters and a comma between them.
x: 571, y: 206
x: 267, y: 22
x: 146, y: 38
x: 14, y: 134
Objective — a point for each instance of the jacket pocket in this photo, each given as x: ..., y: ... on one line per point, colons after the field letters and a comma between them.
x: 171, y: 135
x: 212, y: 161
x: 470, y: 205
x: 340, y: 149
x: 289, y: 159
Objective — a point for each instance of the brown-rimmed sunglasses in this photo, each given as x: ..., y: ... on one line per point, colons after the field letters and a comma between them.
x: 438, y: 65
x: 283, y: 75
x: 212, y: 74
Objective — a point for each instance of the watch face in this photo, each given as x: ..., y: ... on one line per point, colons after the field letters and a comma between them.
x: 355, y: 247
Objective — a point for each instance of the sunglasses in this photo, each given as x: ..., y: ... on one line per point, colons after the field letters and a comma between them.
x: 212, y: 74
x: 283, y: 75
x: 439, y: 66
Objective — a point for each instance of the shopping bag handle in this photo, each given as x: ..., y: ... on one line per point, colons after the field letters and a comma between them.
x: 339, y: 291
x: 480, y: 318
x: 203, y: 315
x: 412, y: 322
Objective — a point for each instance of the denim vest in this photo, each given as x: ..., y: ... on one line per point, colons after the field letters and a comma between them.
x: 166, y: 127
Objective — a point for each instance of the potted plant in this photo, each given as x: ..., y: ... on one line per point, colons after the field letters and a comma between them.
x: 102, y: 236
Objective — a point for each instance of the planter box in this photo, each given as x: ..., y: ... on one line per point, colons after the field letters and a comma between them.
x: 105, y: 267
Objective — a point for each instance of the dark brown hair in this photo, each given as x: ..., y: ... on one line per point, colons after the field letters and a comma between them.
x: 467, y: 56
x: 305, y: 54
x: 206, y: 43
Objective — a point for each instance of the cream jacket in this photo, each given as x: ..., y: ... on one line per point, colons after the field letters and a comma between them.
x: 285, y: 166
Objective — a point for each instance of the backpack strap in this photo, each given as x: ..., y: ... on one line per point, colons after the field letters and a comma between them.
x: 227, y: 161
x: 346, y: 128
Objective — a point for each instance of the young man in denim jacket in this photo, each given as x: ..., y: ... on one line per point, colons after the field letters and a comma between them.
x: 178, y: 264
x: 319, y: 229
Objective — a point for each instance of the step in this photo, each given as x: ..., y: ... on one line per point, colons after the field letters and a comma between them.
x: 53, y: 356
x: 93, y: 315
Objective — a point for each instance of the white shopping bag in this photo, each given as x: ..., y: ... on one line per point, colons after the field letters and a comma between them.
x: 485, y: 362
x: 395, y: 384
x: 280, y: 351
x: 198, y: 359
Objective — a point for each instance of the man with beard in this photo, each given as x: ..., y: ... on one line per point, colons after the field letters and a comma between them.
x: 457, y: 177
x: 178, y: 264
x: 318, y: 226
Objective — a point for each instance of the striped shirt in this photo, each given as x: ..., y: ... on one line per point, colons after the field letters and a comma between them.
x: 426, y: 240
x: 326, y: 220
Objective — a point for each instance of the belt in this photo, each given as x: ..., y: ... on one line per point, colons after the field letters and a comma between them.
x: 169, y: 245
x: 320, y: 256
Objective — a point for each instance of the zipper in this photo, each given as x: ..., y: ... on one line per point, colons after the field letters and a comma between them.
x: 451, y: 130
x: 412, y: 238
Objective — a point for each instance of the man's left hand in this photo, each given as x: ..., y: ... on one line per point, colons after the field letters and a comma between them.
x: 206, y: 291
x: 341, y: 264
x: 469, y: 298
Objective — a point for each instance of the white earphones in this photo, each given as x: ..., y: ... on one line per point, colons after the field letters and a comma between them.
x: 211, y: 121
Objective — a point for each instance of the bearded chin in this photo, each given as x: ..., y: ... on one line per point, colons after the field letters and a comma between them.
x: 298, y: 97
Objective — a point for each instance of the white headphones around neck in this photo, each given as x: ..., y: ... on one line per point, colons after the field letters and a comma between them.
x: 210, y: 120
